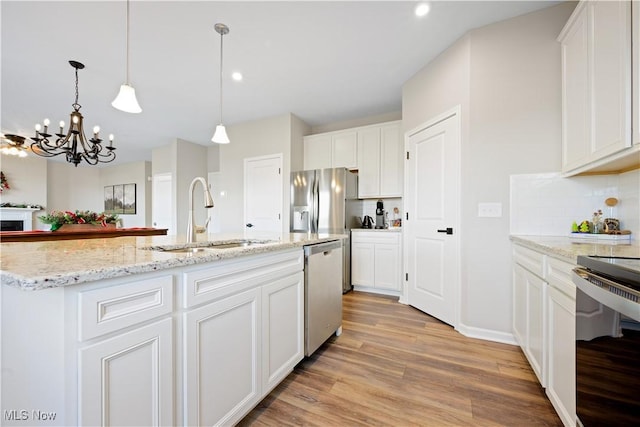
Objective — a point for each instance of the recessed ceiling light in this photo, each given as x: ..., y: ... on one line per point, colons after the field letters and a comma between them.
x: 422, y: 9
x: 236, y: 76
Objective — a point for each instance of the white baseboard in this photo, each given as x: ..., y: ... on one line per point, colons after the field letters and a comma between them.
x: 487, y: 334
x: 376, y: 290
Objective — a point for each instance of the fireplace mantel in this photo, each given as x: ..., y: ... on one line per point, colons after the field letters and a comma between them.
x: 19, y: 214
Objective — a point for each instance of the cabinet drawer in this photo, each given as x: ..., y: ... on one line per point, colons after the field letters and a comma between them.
x: 529, y: 259
x: 384, y: 237
x: 105, y: 310
x: 229, y: 277
x: 559, y: 276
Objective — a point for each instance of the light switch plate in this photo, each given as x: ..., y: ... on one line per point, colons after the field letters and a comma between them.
x: 490, y: 209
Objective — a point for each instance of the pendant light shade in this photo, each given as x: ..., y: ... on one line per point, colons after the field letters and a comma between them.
x: 220, y: 136
x: 126, y: 100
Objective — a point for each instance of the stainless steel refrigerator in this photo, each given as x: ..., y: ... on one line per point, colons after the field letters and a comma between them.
x: 326, y: 201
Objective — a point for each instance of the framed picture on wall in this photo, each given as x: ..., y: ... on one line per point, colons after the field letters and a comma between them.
x: 108, y: 199
x: 129, y: 205
x: 120, y: 199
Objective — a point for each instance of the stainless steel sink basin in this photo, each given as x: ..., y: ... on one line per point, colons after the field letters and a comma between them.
x: 187, y: 250
x: 212, y: 246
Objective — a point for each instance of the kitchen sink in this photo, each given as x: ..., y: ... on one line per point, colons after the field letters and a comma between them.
x: 212, y: 246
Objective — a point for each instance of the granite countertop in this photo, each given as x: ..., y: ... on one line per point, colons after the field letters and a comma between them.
x: 41, y: 265
x: 569, y: 249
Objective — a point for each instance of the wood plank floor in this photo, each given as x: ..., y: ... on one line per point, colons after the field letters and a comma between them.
x: 396, y: 366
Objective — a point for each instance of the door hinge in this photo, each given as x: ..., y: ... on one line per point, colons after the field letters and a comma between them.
x: 278, y: 216
x: 279, y: 171
x: 407, y: 155
x: 407, y: 216
x: 406, y: 277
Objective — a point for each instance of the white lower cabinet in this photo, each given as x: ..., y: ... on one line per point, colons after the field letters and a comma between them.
x: 561, y: 372
x: 375, y: 261
x: 245, y: 337
x: 544, y: 324
x: 128, y: 379
x: 193, y: 345
x: 222, y: 362
x: 529, y: 318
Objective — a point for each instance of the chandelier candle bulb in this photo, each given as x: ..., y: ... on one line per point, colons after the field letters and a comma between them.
x: 61, y: 127
x: 110, y: 140
x: 46, y: 125
x: 96, y: 131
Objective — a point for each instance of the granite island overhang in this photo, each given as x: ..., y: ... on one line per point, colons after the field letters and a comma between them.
x: 41, y: 265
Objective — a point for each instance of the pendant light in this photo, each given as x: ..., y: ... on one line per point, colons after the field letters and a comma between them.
x: 126, y: 100
x: 220, y: 136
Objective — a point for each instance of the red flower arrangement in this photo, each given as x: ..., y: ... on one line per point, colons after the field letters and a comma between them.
x: 4, y: 184
x: 58, y: 218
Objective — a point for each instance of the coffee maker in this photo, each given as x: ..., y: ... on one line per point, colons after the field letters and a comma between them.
x: 379, y: 214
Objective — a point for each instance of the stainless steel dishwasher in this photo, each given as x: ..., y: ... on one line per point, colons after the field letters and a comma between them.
x: 323, y: 293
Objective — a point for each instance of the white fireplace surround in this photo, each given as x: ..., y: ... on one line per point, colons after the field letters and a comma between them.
x: 19, y: 214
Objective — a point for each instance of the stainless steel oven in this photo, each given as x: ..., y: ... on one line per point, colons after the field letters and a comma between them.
x: 608, y: 356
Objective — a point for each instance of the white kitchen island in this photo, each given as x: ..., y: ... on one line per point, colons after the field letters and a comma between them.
x: 118, y: 331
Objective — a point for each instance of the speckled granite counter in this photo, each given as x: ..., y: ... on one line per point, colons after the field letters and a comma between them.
x: 41, y: 265
x: 569, y: 249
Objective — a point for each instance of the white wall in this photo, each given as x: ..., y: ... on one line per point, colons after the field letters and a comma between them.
x: 131, y: 173
x: 273, y: 135
x: 506, y: 78
x: 190, y: 162
x: 27, y: 178
x: 73, y: 188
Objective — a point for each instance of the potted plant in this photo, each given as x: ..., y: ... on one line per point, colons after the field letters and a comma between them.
x: 71, y: 220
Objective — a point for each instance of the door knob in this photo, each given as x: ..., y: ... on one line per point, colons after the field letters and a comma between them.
x: 249, y: 225
x: 447, y: 230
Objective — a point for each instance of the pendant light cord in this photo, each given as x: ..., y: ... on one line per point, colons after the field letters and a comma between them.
x: 127, y: 43
x: 221, y: 56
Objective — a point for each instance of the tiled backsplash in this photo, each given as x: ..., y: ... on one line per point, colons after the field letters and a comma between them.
x: 369, y: 207
x: 547, y: 204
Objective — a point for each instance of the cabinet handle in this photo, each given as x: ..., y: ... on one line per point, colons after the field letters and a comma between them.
x: 447, y: 230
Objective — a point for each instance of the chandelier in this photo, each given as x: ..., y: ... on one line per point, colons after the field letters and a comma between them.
x: 13, y: 145
x: 74, y: 144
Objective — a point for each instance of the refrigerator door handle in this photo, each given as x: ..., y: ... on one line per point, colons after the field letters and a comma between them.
x: 316, y: 207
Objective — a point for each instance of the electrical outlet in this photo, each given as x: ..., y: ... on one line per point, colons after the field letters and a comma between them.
x: 490, y: 210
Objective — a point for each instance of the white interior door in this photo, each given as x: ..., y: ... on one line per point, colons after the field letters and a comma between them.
x: 432, y: 204
x: 162, y: 202
x: 263, y: 193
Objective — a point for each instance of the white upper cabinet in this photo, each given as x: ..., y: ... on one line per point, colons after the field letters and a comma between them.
x: 317, y: 151
x: 331, y: 150
x: 344, y: 149
x: 380, y: 161
x: 596, y: 86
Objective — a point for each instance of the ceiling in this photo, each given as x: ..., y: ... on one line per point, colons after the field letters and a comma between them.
x: 324, y: 61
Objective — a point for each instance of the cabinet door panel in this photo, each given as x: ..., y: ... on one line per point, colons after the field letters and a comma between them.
x: 345, y: 149
x: 575, y: 95
x: 561, y: 384
x: 369, y: 162
x: 222, y: 363
x: 362, y: 264
x: 317, y: 152
x: 611, y: 76
x: 108, y: 396
x: 387, y: 263
x: 283, y: 328
x: 391, y: 161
